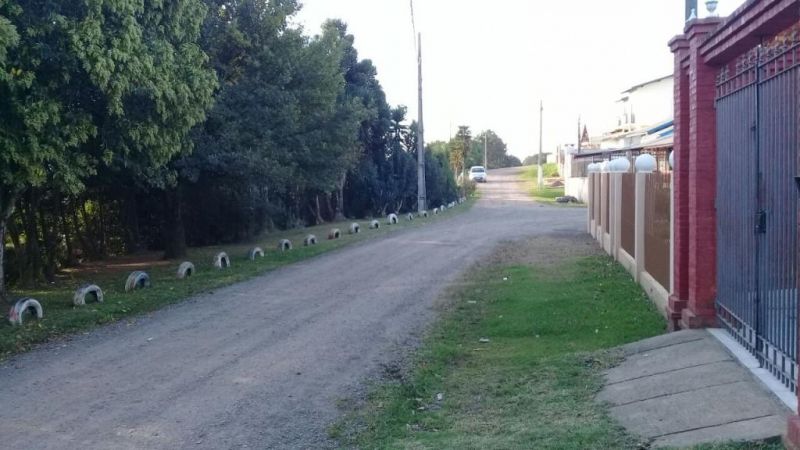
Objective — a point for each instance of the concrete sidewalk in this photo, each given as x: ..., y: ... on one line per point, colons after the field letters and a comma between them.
x: 685, y: 388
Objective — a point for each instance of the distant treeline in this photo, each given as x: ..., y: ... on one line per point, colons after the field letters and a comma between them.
x: 152, y: 125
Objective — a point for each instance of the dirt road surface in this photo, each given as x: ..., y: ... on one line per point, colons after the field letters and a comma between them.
x: 261, y: 364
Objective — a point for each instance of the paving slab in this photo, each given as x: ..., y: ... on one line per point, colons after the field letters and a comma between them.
x: 759, y: 429
x: 674, y: 382
x: 685, y: 389
x: 664, y: 340
x: 670, y: 358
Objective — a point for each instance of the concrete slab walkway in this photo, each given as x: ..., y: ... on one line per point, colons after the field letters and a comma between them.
x: 683, y: 389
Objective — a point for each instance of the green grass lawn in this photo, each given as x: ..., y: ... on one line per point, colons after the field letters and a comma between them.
x: 546, y: 194
x: 551, y: 329
x: 61, y: 317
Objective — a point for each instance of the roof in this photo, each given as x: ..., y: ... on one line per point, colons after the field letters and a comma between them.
x: 639, y: 86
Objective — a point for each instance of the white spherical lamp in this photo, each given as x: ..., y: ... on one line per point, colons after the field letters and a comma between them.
x: 645, y: 163
x: 604, y: 166
x: 620, y: 165
x: 671, y: 163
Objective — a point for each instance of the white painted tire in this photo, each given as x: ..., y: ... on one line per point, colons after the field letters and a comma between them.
x: 355, y: 228
x: 435, y: 211
x: 255, y: 252
x: 222, y: 261
x: 79, y: 299
x: 185, y: 270
x: 25, y: 305
x: 334, y: 234
x: 137, y: 280
x: 310, y: 240
x: 374, y: 225
x: 285, y: 245
x: 424, y: 214
x: 410, y: 217
x: 391, y: 219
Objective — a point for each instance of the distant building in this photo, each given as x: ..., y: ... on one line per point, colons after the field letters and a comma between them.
x: 641, y: 108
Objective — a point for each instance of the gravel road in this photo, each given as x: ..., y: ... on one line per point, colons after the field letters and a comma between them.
x: 260, y: 364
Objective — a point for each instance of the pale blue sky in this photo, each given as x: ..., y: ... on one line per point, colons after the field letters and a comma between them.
x: 487, y: 63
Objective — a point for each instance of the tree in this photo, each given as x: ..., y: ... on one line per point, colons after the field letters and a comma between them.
x: 459, y: 148
x: 497, y: 151
x: 120, y: 84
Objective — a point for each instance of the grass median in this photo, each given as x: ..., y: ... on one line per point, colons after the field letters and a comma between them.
x: 61, y: 317
x: 516, y: 360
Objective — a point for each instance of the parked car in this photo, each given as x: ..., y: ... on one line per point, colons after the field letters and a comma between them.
x: 478, y: 174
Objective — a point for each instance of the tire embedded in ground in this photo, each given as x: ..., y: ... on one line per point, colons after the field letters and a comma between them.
x: 185, y: 270
x: 79, y: 299
x: 137, y: 280
x: 222, y: 261
x: 25, y: 305
x: 255, y: 252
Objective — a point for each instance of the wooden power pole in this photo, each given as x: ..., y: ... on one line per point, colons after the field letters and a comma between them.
x: 541, y: 122
x: 422, y: 193
x: 485, y: 150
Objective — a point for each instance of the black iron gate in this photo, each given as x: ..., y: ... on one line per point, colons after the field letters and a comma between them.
x: 757, y: 148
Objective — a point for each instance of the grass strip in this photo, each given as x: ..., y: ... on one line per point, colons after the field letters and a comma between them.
x: 61, y: 317
x: 515, y: 363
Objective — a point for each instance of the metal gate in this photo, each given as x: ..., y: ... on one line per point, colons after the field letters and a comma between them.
x: 757, y: 148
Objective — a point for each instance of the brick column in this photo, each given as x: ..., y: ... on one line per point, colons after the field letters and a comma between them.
x: 700, y: 310
x: 691, y: 302
x: 679, y: 291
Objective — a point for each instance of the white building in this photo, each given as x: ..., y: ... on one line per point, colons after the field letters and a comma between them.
x: 640, y: 108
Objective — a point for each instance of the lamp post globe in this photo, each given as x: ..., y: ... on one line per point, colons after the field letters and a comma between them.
x: 645, y: 163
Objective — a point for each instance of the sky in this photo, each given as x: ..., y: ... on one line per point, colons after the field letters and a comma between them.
x: 488, y: 64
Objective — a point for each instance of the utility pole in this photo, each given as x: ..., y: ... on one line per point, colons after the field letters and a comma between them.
x: 422, y: 193
x: 541, y: 122
x: 485, y: 150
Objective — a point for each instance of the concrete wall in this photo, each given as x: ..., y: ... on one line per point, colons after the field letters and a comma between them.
x: 578, y: 188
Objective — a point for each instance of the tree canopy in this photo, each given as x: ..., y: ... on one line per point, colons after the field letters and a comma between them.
x: 124, y: 120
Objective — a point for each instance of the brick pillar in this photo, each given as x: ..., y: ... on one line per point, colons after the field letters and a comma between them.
x: 679, y: 290
x: 700, y: 310
x: 691, y: 302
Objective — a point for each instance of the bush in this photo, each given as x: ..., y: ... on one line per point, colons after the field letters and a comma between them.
x: 550, y: 170
x: 470, y: 187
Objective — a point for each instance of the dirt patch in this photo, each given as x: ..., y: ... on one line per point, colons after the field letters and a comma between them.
x: 545, y: 249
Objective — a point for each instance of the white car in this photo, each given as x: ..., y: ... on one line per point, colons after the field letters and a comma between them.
x: 478, y: 174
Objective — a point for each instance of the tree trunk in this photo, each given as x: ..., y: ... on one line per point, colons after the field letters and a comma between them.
x: 32, y: 274
x: 317, y: 211
x: 339, y: 214
x: 7, y: 200
x: 50, y: 235
x: 71, y: 262
x: 132, y: 234
x: 174, y: 231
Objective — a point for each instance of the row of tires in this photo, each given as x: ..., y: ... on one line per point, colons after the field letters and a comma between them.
x: 141, y: 280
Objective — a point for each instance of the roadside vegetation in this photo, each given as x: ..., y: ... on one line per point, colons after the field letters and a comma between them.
x: 553, y: 187
x: 516, y: 360
x: 62, y: 317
